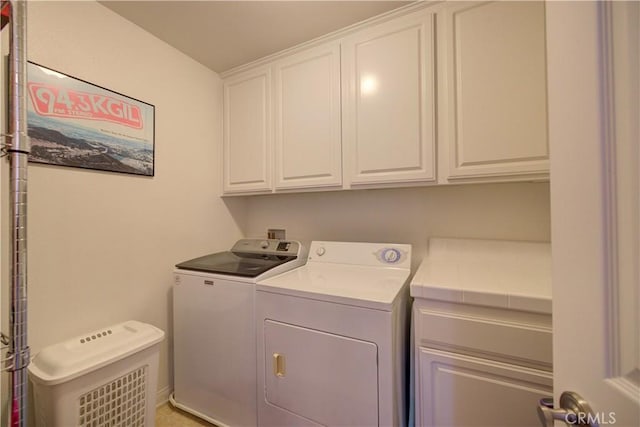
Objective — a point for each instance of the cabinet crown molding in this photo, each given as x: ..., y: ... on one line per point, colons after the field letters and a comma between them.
x: 334, y: 35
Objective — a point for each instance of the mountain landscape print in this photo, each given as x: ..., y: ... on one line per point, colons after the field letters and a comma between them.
x: 74, y: 123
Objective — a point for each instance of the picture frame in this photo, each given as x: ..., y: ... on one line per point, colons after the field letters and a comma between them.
x: 74, y: 123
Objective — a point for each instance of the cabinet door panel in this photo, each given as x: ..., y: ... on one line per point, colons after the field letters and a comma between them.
x: 496, y: 71
x: 388, y: 120
x: 458, y: 390
x: 247, y: 132
x: 308, y: 144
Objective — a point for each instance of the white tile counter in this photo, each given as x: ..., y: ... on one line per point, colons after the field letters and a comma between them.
x: 493, y: 273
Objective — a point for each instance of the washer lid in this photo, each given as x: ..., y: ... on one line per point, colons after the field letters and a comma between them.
x: 362, y: 286
x: 235, y: 263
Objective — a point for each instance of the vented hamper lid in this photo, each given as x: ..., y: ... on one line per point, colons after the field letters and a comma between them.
x: 67, y: 360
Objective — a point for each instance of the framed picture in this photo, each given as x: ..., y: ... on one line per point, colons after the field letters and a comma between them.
x: 74, y: 123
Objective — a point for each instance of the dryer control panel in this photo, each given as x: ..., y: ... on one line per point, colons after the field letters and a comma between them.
x: 357, y: 253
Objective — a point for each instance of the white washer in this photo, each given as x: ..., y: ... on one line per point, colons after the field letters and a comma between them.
x: 214, y: 345
x: 332, y: 338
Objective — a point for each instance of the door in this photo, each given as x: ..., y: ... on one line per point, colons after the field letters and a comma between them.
x: 248, y: 135
x: 495, y: 118
x: 326, y: 378
x: 308, y: 140
x: 451, y: 381
x: 593, y: 50
x: 389, y: 103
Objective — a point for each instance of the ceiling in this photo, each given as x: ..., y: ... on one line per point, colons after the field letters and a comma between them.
x: 224, y: 34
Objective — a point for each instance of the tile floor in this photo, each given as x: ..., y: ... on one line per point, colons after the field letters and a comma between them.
x: 168, y: 416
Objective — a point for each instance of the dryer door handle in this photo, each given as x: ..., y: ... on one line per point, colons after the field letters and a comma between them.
x: 278, y: 365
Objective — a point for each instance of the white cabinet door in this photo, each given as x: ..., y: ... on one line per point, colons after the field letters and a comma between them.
x: 326, y: 378
x: 461, y: 391
x: 248, y: 132
x: 308, y: 140
x: 493, y: 77
x: 388, y: 118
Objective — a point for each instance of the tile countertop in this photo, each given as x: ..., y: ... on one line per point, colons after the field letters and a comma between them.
x: 494, y: 273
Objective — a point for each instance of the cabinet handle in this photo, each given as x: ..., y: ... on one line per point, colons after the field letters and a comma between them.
x: 278, y: 365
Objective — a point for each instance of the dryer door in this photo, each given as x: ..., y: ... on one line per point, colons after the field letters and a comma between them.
x: 326, y: 378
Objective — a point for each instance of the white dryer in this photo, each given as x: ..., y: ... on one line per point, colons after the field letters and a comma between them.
x: 332, y: 338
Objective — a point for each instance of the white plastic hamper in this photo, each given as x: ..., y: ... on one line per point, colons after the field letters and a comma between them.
x: 106, y: 377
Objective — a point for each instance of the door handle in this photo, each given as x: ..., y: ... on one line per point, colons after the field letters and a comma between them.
x: 278, y: 365
x: 574, y: 410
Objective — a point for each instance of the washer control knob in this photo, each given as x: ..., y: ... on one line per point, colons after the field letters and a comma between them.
x: 320, y: 251
x: 264, y: 244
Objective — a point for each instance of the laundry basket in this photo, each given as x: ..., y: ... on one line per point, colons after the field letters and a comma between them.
x: 106, y: 377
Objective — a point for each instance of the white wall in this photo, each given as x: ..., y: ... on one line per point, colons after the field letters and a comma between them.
x: 516, y: 211
x: 101, y: 246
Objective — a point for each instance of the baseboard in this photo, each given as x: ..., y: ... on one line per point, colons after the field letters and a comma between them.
x: 213, y: 421
x: 162, y: 396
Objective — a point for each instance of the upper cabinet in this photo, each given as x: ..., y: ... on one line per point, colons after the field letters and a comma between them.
x: 282, y: 124
x: 493, y: 90
x: 436, y: 93
x: 389, y: 103
x: 247, y: 140
x: 308, y: 140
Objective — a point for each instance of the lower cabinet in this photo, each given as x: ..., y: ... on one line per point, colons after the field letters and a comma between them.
x: 459, y: 390
x: 480, y: 366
